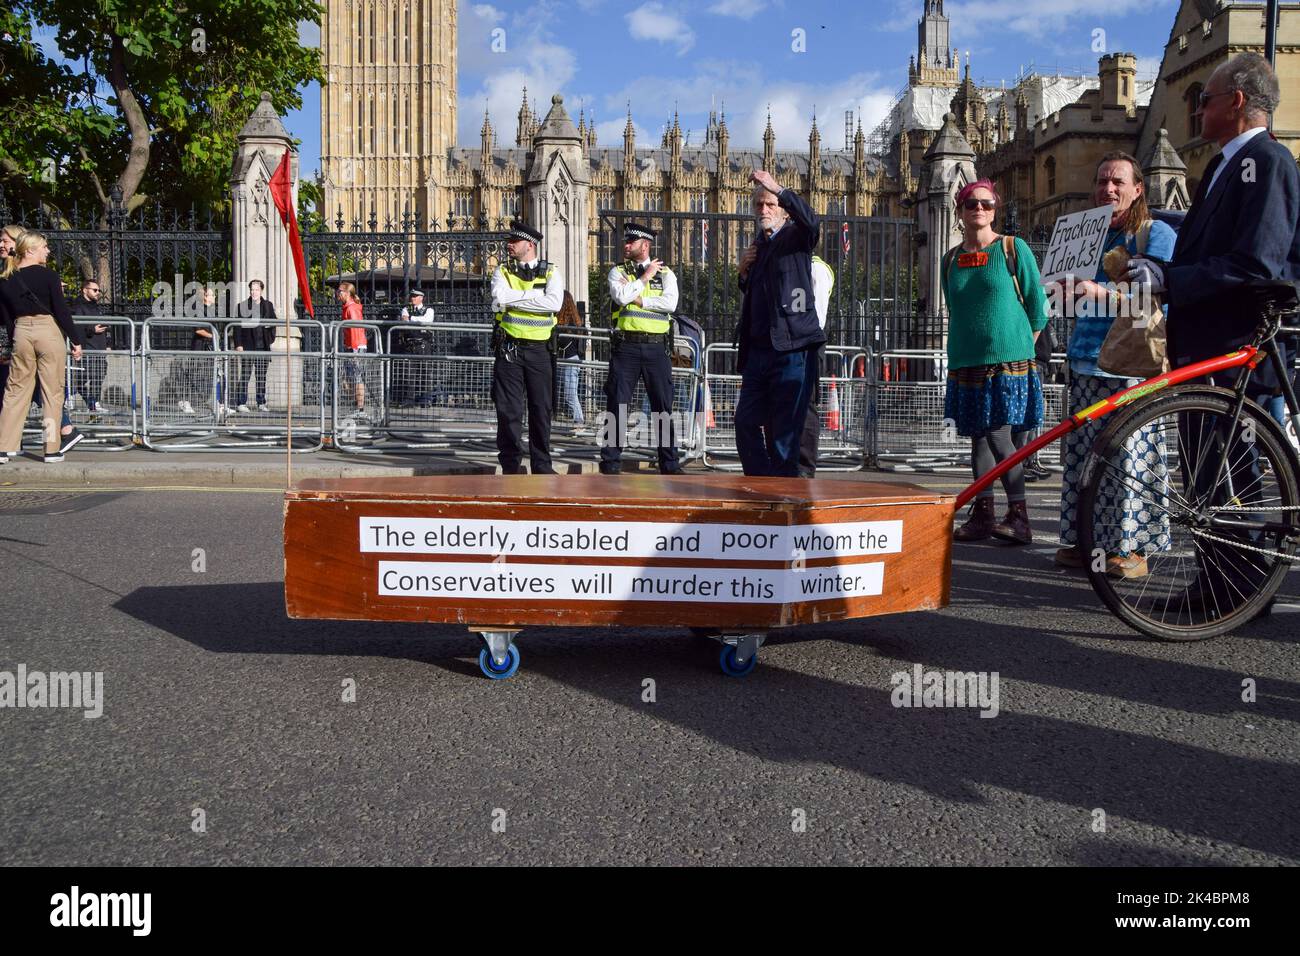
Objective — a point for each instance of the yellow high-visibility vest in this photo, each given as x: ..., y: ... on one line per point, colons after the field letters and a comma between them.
x: 633, y: 318
x: 520, y: 323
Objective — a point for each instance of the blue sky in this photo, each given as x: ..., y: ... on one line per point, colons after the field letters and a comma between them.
x: 659, y: 53
x: 663, y: 53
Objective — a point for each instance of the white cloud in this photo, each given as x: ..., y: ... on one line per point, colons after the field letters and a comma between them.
x: 610, y: 132
x: 741, y: 88
x: 653, y: 21
x: 744, y: 9
x: 530, y: 58
x: 1148, y: 66
x: 792, y: 107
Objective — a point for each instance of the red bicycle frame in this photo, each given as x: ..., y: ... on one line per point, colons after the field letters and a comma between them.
x: 1245, y: 356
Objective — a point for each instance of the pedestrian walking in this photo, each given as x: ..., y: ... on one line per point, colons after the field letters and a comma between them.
x: 34, y: 306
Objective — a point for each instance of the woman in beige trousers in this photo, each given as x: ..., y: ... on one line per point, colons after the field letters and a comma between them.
x: 32, y: 303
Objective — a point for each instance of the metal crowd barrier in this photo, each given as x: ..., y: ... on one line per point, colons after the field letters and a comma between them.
x: 844, y: 404
x: 911, y: 431
x: 98, y: 391
x: 582, y: 389
x: 201, y: 397
x: 428, y: 386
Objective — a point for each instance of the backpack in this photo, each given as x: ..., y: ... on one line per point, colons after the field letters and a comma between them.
x: 681, y: 355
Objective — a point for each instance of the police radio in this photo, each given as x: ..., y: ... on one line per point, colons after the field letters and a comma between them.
x: 530, y: 272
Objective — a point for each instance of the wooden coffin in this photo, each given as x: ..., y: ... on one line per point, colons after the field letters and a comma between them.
x: 712, y: 550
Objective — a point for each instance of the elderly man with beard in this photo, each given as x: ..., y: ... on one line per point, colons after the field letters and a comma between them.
x: 779, y: 337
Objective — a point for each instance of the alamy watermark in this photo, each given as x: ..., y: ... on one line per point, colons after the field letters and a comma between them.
x: 634, y: 429
x: 922, y: 688
x: 82, y: 690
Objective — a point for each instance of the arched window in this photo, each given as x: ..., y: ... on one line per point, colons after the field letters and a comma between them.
x: 1050, y: 167
x: 1193, y: 97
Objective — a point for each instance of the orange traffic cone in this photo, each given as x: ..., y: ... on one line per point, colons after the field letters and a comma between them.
x: 708, y: 408
x: 833, y: 412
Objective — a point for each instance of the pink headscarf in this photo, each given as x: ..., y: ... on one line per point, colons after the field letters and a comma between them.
x: 978, y: 184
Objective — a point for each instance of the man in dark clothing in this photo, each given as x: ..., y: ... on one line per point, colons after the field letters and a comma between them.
x: 779, y: 337
x: 1242, y: 227
x: 89, y: 384
x: 253, y: 334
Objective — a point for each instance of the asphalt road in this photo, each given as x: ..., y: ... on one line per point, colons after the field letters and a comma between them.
x: 214, y: 701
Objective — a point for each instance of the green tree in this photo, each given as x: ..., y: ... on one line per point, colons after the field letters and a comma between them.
x: 158, y: 94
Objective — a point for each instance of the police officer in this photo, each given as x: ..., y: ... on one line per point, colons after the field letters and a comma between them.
x: 526, y: 294
x: 643, y: 296
x: 415, y: 384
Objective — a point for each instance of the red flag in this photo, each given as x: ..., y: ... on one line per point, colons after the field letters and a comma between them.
x: 282, y: 193
x: 844, y: 238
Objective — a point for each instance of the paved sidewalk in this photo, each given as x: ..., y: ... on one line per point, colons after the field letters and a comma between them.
x: 141, y: 468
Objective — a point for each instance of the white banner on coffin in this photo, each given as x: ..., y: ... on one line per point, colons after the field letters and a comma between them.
x: 619, y: 583
x: 383, y: 535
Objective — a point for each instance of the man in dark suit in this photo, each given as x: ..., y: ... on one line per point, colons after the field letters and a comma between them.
x: 779, y: 337
x: 253, y: 334
x: 1244, y: 225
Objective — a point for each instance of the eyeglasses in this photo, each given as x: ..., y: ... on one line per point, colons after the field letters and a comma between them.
x: 1204, y: 98
x: 970, y: 205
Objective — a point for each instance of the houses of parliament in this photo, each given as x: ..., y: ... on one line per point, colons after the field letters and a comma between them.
x: 389, y: 107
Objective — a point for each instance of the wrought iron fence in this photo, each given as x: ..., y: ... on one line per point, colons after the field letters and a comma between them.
x: 131, y: 254
x: 873, y: 259
x: 452, y: 265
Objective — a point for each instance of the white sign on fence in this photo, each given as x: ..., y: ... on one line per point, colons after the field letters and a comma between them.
x: 1076, y: 245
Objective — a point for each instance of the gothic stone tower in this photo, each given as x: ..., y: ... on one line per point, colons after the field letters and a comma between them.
x: 388, y: 107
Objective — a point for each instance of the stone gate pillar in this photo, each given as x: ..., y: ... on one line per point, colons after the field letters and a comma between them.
x: 557, y: 189
x: 949, y: 165
x: 260, y: 241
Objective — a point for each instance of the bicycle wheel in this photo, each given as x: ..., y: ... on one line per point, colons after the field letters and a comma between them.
x: 1202, y: 512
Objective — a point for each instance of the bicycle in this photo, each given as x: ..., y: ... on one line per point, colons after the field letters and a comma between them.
x: 1210, y: 470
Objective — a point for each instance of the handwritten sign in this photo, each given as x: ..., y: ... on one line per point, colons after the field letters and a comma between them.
x: 1077, y: 241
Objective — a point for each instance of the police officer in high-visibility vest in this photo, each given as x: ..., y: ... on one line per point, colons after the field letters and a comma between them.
x: 643, y: 297
x: 526, y: 294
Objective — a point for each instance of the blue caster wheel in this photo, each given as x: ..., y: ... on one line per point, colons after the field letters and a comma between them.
x: 731, y: 667
x: 490, y: 669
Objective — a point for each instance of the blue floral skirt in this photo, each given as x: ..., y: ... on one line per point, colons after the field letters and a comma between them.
x: 982, y: 398
x: 1126, y: 519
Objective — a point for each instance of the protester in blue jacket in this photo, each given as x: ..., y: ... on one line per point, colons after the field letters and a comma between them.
x: 779, y: 337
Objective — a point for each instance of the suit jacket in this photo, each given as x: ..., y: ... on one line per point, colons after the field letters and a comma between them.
x: 255, y: 338
x: 779, y: 288
x: 1247, y: 227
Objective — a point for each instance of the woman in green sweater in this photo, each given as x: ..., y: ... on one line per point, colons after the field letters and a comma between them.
x: 996, y: 308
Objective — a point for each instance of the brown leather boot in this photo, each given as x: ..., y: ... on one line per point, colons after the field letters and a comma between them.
x: 1015, y: 526
x: 980, y: 524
